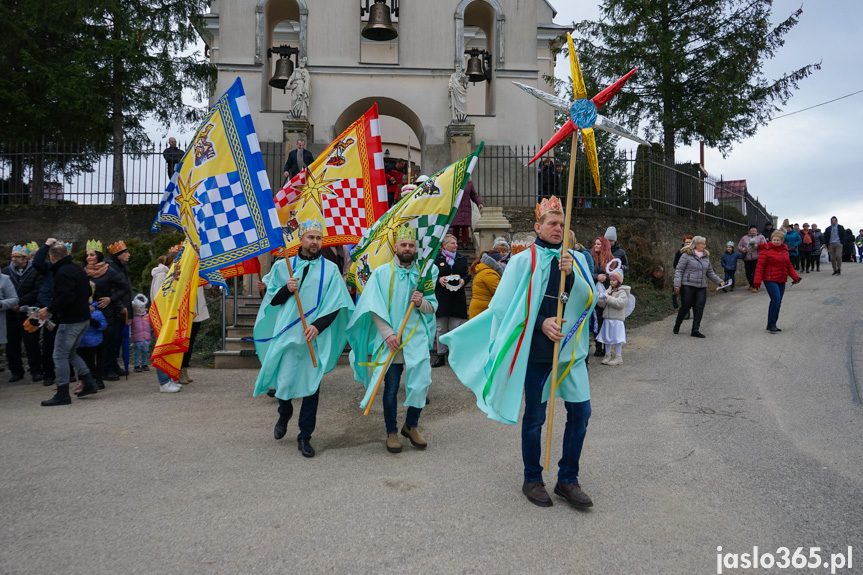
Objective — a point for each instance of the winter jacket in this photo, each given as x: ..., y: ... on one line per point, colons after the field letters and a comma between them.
x: 71, y: 302
x: 749, y: 246
x: 111, y: 285
x: 792, y: 240
x: 614, y: 305
x: 8, y: 299
x: 694, y: 271
x: 159, y: 273
x: 27, y: 285
x: 488, y: 273
x: 43, y: 266
x: 806, y: 247
x: 618, y: 252
x: 451, y: 303
x: 123, y: 270
x: 729, y: 261
x: 827, y: 233
x: 93, y: 336
x: 464, y: 213
x: 140, y: 328
x: 774, y: 265
x: 818, y: 238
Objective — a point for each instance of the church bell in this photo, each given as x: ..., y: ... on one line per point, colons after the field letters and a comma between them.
x: 380, y: 27
x: 478, y: 65
x: 284, y: 69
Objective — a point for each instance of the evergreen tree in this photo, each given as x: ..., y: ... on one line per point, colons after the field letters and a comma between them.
x: 700, y: 63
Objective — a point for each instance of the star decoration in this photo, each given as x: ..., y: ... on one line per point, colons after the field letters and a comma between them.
x: 583, y: 113
x: 313, y: 188
x: 187, y: 200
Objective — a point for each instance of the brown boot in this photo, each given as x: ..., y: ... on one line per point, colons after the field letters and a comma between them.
x: 413, y: 433
x: 573, y: 494
x: 189, y: 377
x: 183, y: 378
x: 536, y: 493
x: 393, y: 443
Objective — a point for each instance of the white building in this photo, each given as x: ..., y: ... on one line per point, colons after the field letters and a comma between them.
x: 407, y: 77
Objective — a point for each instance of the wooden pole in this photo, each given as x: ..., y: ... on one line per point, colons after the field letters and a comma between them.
x: 299, y: 303
x: 554, y: 362
x: 389, y: 359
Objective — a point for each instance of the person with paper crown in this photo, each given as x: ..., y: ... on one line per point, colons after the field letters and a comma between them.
x: 119, y: 262
x: 391, y: 290
x: 27, y: 282
x: 519, y: 331
x: 281, y: 342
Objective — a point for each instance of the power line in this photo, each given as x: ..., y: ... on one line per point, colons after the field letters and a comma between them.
x: 821, y: 104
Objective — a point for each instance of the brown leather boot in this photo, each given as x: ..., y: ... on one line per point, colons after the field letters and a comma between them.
x: 183, y: 378
x: 536, y: 493
x: 413, y: 433
x: 573, y: 494
x: 393, y: 443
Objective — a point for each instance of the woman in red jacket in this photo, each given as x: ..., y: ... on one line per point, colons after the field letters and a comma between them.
x: 774, y: 267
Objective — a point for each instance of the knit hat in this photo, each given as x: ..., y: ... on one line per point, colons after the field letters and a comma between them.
x: 500, y: 242
x: 617, y: 273
x: 611, y: 234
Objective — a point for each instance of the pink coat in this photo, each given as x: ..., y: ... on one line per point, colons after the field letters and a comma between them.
x: 463, y: 215
x: 140, y: 328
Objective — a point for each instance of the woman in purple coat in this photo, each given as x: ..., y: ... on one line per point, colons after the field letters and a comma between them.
x: 461, y: 223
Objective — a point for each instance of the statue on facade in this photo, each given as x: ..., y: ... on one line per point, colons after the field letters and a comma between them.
x: 458, y: 95
x: 300, y: 85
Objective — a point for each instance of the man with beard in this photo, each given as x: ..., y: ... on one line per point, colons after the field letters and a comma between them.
x: 391, y: 291
x: 520, y: 329
x: 282, y: 343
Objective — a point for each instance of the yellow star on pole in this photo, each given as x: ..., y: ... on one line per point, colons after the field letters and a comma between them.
x: 313, y: 188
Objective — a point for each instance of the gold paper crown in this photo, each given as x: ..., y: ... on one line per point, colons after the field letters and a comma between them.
x: 20, y: 251
x: 33, y: 247
x: 117, y: 247
x: 406, y: 232
x: 94, y: 245
x: 551, y: 204
x: 311, y: 226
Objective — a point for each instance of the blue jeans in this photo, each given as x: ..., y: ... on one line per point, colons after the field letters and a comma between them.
x: 162, y: 377
x: 65, y: 346
x: 577, y: 415
x: 391, y: 393
x: 775, y: 290
x: 141, y: 350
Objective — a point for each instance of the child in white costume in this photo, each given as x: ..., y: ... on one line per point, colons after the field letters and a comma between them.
x: 613, y: 331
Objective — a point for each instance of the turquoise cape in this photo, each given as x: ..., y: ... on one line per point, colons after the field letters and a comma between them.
x: 489, y: 353
x: 387, y: 294
x: 286, y: 364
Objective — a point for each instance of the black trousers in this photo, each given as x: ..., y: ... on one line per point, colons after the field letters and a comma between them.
x: 749, y: 266
x: 692, y: 298
x: 90, y: 355
x: 192, y: 335
x: 110, y: 346
x: 807, y: 261
x: 308, y: 414
x: 15, y: 336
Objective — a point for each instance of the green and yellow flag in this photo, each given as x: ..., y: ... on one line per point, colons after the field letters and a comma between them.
x: 429, y: 209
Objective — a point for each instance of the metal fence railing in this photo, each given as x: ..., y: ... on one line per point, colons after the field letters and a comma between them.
x: 39, y: 174
x: 628, y: 179
x: 50, y: 174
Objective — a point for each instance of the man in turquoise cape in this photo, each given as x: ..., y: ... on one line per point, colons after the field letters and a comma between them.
x: 507, y: 351
x: 390, y: 291
x: 281, y: 342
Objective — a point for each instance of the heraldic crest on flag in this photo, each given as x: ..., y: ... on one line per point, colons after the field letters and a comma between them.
x: 220, y: 194
x: 429, y: 209
x: 344, y: 188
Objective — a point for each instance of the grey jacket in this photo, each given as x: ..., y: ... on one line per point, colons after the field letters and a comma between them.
x: 8, y: 299
x: 694, y: 271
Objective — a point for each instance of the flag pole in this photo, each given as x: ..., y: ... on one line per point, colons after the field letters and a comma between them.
x: 389, y: 359
x: 554, y: 362
x: 297, y: 298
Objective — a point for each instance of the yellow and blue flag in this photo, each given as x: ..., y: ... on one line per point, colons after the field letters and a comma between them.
x: 220, y: 193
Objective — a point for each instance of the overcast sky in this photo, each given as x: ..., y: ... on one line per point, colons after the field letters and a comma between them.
x: 800, y: 167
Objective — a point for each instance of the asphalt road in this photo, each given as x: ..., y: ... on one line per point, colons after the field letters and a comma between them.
x: 742, y: 439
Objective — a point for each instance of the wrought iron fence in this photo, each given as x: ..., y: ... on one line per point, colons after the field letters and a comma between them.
x: 39, y: 174
x: 628, y: 179
x: 50, y: 174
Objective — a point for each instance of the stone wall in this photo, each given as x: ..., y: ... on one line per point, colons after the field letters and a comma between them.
x: 22, y: 224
